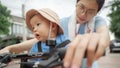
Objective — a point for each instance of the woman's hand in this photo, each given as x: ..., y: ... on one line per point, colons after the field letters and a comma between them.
x: 93, y: 44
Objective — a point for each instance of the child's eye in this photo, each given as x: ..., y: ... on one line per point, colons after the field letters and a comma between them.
x: 38, y: 24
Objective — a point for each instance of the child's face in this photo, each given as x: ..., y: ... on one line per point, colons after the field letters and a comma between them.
x: 40, y: 27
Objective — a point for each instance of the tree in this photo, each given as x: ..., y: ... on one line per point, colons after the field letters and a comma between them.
x: 5, y: 19
x: 115, y: 18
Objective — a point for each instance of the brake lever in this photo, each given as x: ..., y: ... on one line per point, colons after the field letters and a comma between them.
x: 47, y: 63
x: 56, y: 58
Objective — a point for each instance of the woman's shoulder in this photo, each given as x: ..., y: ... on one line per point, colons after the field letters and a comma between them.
x: 100, y: 21
x: 64, y: 23
x: 64, y: 20
x: 99, y: 18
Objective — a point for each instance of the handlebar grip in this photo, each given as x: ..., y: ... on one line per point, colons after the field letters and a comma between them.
x: 5, y: 58
x: 62, y: 52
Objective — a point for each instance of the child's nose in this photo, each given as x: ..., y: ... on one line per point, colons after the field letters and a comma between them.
x: 35, y: 29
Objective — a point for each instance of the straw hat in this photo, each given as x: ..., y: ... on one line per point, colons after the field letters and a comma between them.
x: 47, y: 14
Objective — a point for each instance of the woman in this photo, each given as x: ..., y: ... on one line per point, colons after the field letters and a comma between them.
x: 90, y: 34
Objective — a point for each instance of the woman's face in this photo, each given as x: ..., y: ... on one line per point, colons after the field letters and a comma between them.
x: 86, y: 10
x: 40, y: 27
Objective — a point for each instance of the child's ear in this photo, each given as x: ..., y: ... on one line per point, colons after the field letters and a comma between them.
x: 54, y: 30
x: 54, y: 26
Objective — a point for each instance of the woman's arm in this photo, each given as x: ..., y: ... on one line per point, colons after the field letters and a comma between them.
x: 94, y: 43
x: 101, y: 40
x: 20, y: 47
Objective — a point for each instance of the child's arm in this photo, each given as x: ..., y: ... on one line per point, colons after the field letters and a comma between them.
x: 20, y: 47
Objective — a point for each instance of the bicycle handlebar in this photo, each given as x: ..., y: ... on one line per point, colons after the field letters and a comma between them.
x: 51, y: 58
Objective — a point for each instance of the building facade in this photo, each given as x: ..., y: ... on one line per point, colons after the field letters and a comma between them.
x: 19, y: 28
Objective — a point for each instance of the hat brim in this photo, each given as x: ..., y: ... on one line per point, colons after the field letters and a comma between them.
x: 47, y: 14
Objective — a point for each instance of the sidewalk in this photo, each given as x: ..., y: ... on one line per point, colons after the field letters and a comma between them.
x: 111, y: 60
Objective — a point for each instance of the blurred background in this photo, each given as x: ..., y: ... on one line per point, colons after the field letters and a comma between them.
x: 13, y: 28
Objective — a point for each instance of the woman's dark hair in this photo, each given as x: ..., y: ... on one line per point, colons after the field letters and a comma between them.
x: 99, y: 2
